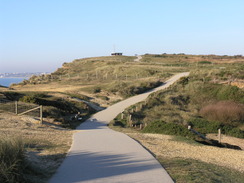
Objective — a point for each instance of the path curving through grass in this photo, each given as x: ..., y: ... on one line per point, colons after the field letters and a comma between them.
x: 99, y: 154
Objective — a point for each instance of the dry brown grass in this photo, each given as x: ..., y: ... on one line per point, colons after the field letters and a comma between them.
x: 170, y: 147
x: 166, y: 146
x: 47, y: 143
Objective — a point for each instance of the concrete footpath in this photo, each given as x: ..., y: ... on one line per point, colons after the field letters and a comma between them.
x: 101, y: 155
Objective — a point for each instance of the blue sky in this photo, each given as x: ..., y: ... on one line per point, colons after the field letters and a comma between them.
x: 39, y: 35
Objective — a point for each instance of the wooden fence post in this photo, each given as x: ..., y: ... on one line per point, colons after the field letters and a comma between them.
x: 41, y: 118
x: 219, y: 135
x: 129, y: 120
x: 130, y: 117
x: 16, y: 107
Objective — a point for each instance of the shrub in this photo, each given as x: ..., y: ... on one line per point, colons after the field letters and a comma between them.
x: 235, y: 132
x: 184, y: 81
x: 168, y: 129
x: 205, y: 62
x: 28, y: 99
x: 96, y: 90
x: 204, y: 126
x: 224, y: 111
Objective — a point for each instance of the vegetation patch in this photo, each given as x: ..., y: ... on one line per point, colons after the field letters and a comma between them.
x: 204, y: 126
x: 59, y: 108
x: 168, y: 129
x: 128, y: 89
x: 14, y: 167
x: 224, y: 111
x: 194, y: 171
x: 205, y: 62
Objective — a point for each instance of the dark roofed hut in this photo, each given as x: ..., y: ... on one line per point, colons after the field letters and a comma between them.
x: 115, y: 54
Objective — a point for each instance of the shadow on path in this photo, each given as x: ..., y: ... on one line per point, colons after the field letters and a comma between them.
x: 98, y: 165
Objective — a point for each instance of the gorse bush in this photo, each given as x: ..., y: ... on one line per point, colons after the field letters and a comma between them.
x: 28, y: 99
x: 204, y: 126
x: 168, y: 129
x: 205, y: 62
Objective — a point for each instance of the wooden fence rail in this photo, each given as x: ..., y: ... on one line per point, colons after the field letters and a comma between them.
x: 21, y: 108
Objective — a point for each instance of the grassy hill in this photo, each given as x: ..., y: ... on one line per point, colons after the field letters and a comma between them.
x: 106, y: 80
x: 210, y: 98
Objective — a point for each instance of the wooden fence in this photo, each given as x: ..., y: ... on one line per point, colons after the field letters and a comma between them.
x: 22, y: 108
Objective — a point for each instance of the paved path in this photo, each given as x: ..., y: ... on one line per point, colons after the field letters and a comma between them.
x: 101, y: 155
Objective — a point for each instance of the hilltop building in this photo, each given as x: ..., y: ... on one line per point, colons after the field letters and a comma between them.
x: 115, y: 54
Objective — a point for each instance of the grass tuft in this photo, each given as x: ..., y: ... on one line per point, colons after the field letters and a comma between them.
x: 11, y: 160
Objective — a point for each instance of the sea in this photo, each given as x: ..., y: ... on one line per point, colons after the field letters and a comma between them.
x: 8, y: 81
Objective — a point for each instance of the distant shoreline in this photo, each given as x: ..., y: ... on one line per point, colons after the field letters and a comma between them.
x: 8, y: 81
x: 15, y: 77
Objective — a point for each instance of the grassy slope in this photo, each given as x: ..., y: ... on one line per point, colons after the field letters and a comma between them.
x: 186, y: 100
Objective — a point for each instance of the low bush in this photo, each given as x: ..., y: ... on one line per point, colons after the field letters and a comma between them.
x: 205, y: 62
x: 96, y: 90
x: 162, y: 127
x: 204, y: 126
x: 28, y: 99
x: 224, y: 111
x: 184, y: 81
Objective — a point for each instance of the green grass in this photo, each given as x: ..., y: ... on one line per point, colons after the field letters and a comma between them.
x: 194, y: 171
